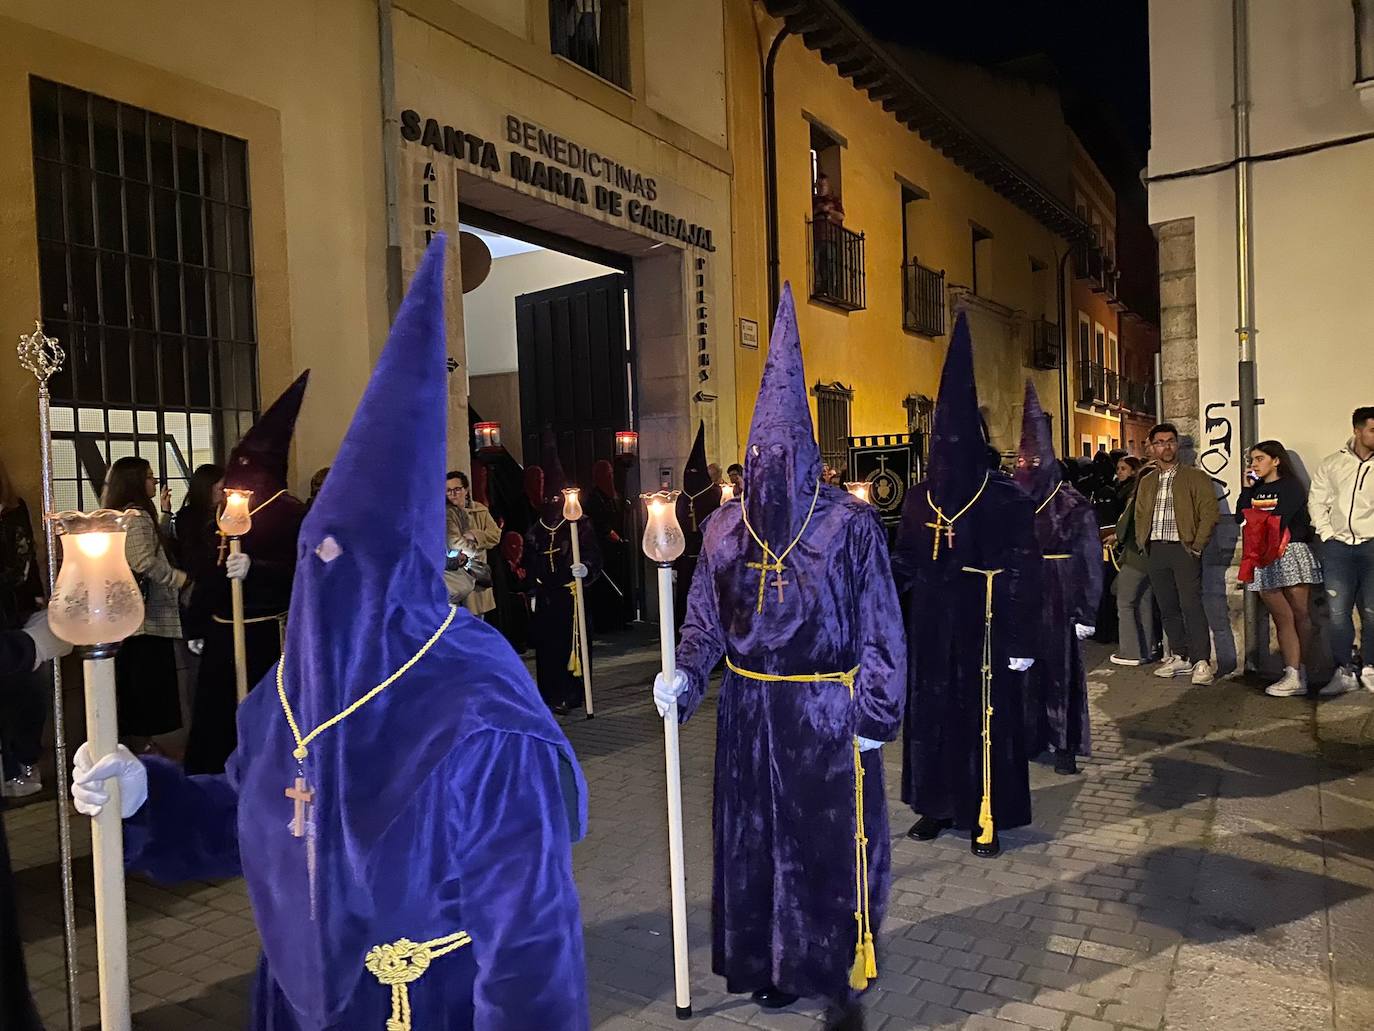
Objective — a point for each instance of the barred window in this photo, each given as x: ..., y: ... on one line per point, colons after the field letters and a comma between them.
x: 832, y: 423
x: 146, y: 277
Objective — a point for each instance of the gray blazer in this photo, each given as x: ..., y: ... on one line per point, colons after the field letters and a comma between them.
x: 148, y: 559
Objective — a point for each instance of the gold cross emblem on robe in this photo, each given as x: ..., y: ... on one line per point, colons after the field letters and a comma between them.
x: 941, y: 525
x: 765, y: 567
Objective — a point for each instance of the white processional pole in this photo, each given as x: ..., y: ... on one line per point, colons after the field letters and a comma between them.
x: 572, y: 512
x: 95, y: 605
x: 664, y: 544
x: 41, y: 355
x: 235, y: 520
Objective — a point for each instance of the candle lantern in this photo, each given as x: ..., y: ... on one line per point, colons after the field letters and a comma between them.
x: 727, y: 492
x: 236, y: 519
x: 861, y: 490
x: 486, y: 435
x: 626, y: 444
x: 572, y: 512
x: 96, y: 604
x: 664, y: 543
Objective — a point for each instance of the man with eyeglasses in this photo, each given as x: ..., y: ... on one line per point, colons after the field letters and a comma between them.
x: 1175, y: 515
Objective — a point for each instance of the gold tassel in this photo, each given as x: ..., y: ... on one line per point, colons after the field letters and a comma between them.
x: 858, y: 973
x: 870, y: 957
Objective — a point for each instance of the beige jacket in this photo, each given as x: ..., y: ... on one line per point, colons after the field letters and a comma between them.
x: 475, y: 523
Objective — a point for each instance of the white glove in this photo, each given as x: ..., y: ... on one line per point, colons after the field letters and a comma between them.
x: 236, y: 566
x: 867, y: 744
x: 90, y: 790
x: 1020, y: 665
x: 196, y: 645
x: 1084, y: 632
x: 579, y: 570
x: 46, y: 644
x: 666, y: 694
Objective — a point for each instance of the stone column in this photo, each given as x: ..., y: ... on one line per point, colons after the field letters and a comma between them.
x: 1178, y: 326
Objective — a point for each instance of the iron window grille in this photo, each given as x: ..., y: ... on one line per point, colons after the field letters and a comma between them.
x: 146, y: 276
x: 923, y: 299
x: 837, y: 265
x: 594, y: 34
x: 1044, y: 344
x: 833, y: 403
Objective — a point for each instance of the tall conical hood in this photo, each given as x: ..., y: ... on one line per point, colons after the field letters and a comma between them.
x: 783, y: 463
x: 258, y: 461
x: 370, y: 566
x: 554, y: 479
x: 958, y: 442
x: 695, y: 477
x: 1037, y: 469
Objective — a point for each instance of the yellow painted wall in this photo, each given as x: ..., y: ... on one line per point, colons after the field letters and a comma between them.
x: 868, y: 349
x: 254, y: 69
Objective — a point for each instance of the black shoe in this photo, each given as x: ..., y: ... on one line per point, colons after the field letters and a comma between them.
x: 1064, y: 764
x: 771, y: 998
x: 928, y: 828
x: 845, y: 1018
x: 561, y: 710
x: 988, y: 851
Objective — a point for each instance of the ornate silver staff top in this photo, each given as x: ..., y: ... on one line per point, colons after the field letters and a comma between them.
x: 40, y: 353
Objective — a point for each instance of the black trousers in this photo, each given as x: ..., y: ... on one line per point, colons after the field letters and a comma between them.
x: 1176, y: 577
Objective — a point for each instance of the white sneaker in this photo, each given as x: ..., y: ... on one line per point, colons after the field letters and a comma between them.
x: 1173, y: 666
x: 1202, y: 673
x: 1342, y: 681
x: 1289, y: 685
x: 1122, y: 661
x: 1367, y: 678
x: 25, y: 784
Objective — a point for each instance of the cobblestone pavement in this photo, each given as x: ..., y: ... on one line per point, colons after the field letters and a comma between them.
x: 1211, y: 868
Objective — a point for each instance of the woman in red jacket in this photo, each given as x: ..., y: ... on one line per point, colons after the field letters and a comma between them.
x: 1278, y: 538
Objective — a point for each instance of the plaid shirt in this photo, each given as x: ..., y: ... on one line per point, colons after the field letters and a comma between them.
x: 1163, y: 523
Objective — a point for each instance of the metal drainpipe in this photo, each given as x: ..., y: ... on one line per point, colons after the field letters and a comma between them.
x: 1064, y: 353
x: 770, y: 174
x: 386, y: 47
x: 1245, y: 278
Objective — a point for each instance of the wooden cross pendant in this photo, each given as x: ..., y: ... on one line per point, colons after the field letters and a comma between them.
x: 302, y: 796
x: 765, y: 567
x: 940, y: 526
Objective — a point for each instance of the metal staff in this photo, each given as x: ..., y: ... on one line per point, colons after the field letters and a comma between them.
x: 42, y: 356
x: 572, y: 512
x: 664, y: 544
x: 235, y: 520
x: 95, y: 605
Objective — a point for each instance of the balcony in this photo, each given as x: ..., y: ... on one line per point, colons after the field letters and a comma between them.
x: 1098, y: 385
x: 1092, y: 263
x: 837, y: 265
x: 1137, y: 396
x: 923, y: 300
x: 594, y: 34
x: 1044, y: 345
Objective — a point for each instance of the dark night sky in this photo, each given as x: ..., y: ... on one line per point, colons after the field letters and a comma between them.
x: 1099, y: 49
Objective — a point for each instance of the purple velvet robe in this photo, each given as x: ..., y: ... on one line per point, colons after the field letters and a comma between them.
x: 783, y: 886
x: 1056, y: 697
x: 942, y: 761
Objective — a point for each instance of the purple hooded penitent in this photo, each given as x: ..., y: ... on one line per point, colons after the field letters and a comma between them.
x: 698, y: 499
x: 963, y: 519
x: 784, y: 875
x: 257, y: 463
x: 1056, y: 698
x: 438, y: 806
x: 549, y: 561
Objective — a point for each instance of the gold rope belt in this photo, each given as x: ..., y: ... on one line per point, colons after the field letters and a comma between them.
x: 279, y: 617
x: 402, y: 962
x: 865, y: 966
x: 575, y: 660
x: 1053, y: 557
x: 986, y: 830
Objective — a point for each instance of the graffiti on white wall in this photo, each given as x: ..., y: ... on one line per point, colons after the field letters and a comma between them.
x: 1216, y: 458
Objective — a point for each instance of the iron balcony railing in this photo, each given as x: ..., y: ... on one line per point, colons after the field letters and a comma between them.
x: 923, y: 299
x: 1092, y: 263
x: 837, y: 265
x: 594, y: 34
x: 1044, y: 344
x: 1138, y: 396
x: 1098, y: 385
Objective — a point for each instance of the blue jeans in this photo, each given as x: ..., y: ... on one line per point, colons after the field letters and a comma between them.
x: 1349, y: 571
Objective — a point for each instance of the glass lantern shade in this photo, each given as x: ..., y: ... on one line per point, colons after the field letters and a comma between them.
x: 861, y: 490
x: 626, y: 443
x: 572, y: 504
x: 95, y: 599
x: 486, y: 435
x: 235, y: 519
x: 663, y: 540
x: 727, y: 492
